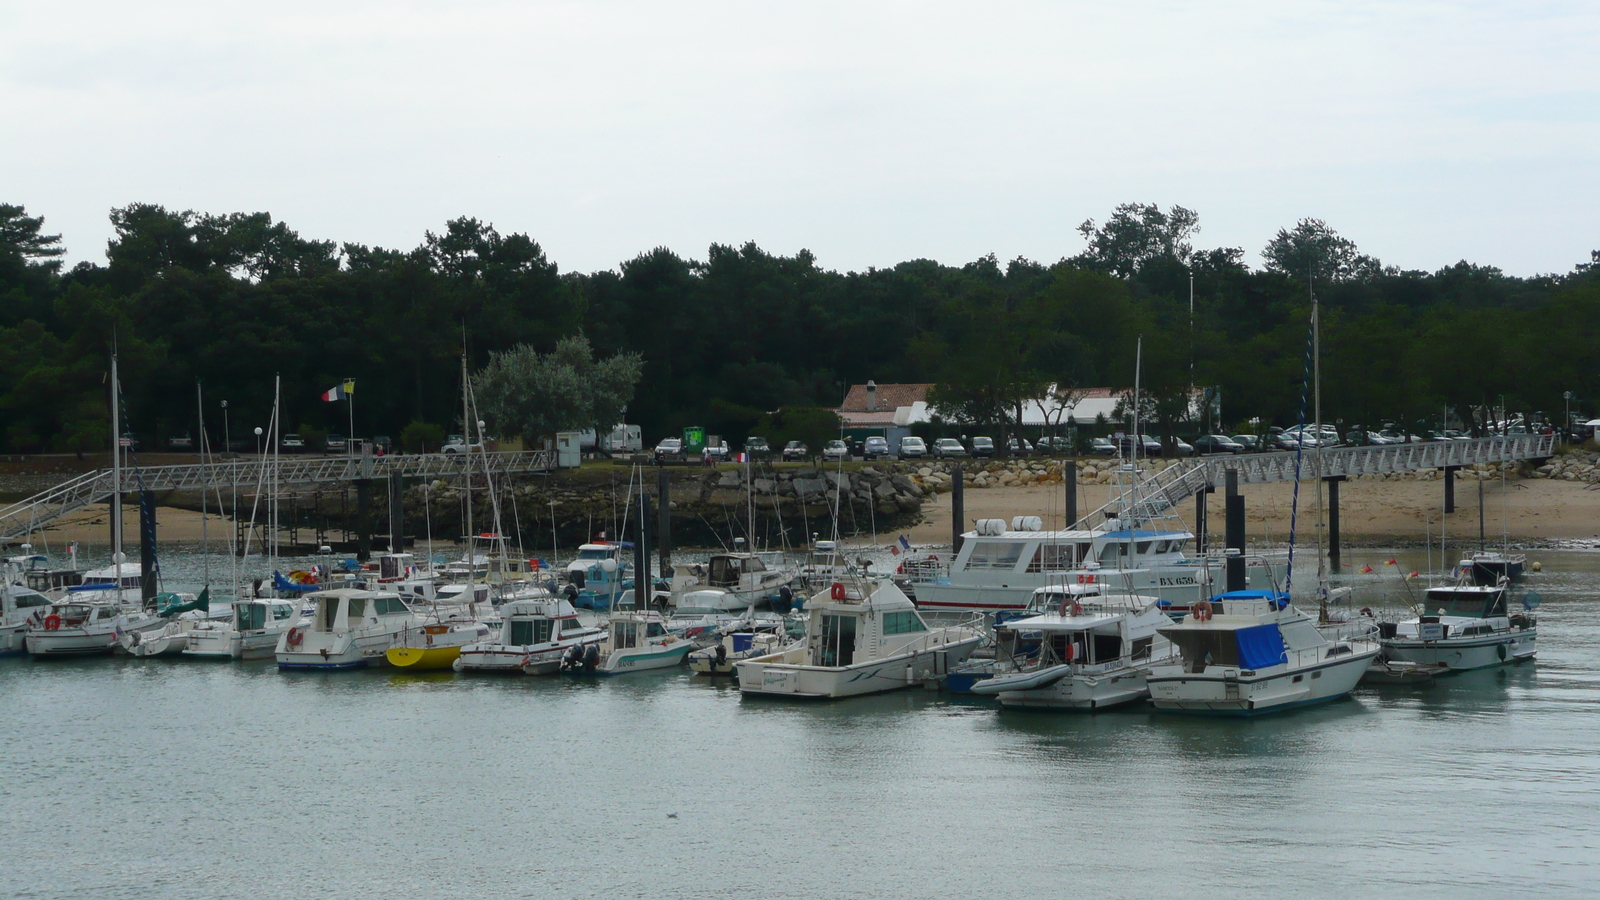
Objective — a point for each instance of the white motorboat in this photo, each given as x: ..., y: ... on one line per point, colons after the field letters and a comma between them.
x: 20, y: 606
x: 636, y: 641
x: 731, y: 582
x: 863, y: 636
x: 999, y: 568
x: 1487, y: 567
x: 349, y: 628
x: 83, y: 626
x: 120, y: 583
x: 536, y: 633
x: 1250, y: 652
x: 251, y: 631
x: 741, y: 639
x: 1461, y: 627
x: 824, y: 565
x: 600, y: 574
x: 1088, y: 653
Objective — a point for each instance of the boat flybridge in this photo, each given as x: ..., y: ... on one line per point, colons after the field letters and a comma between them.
x: 1463, y: 626
x: 1249, y: 652
x: 1089, y: 651
x: 600, y: 574
x: 999, y: 568
x: 862, y: 636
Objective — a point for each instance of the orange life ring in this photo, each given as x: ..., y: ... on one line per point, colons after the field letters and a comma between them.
x: 52, y: 622
x: 1070, y: 607
x: 294, y: 637
x: 1201, y: 611
x: 838, y: 590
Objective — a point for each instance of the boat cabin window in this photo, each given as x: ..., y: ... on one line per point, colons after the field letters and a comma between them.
x: 73, y: 615
x: 656, y: 629
x: 1106, y: 647
x: 1475, y: 604
x: 905, y: 622
x: 724, y: 571
x: 597, y: 553
x: 530, y: 631
x: 1141, y: 648
x: 105, y: 612
x: 1142, y: 547
x: 1109, y: 553
x: 358, y: 609
x: 1206, y: 648
x: 389, y: 606
x: 282, y: 611
x: 248, y: 616
x: 995, y: 555
x: 572, y: 626
x: 1067, y: 647
x: 838, y: 644
x: 29, y: 600
x: 1054, y: 558
x: 624, y: 635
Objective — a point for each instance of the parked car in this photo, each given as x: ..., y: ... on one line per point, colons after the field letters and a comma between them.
x: 982, y: 446
x: 1102, y: 447
x: 835, y: 450
x: 1148, y: 446
x: 715, y: 452
x: 292, y: 443
x: 913, y: 447
x: 1217, y: 443
x: 180, y: 442
x: 795, y: 450
x: 669, y: 448
x: 1181, y: 447
x: 453, y: 444
x: 1251, y: 443
x: 948, y: 448
x: 335, y: 443
x: 757, y: 447
x: 874, y: 447
x: 1020, y: 447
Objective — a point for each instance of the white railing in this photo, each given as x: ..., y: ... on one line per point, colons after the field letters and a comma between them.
x: 91, y: 487
x: 1182, y: 480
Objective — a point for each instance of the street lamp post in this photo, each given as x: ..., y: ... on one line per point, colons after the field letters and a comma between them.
x: 258, y: 440
x: 1566, y: 424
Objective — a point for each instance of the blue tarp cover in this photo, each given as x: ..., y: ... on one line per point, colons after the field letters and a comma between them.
x: 284, y: 584
x: 1278, y: 598
x: 1260, y: 646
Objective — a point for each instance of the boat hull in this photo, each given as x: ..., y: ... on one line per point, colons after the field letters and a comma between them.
x: 767, y: 677
x: 421, y: 659
x: 639, y: 659
x: 1231, y: 692
x: 1465, y: 654
x: 1082, y: 692
x: 13, y: 640
x: 43, y: 644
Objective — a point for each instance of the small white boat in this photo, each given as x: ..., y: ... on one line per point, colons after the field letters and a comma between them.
x: 536, y: 633
x: 349, y: 628
x: 1088, y: 653
x: 1250, y: 652
x: 78, y: 627
x: 250, y: 632
x: 636, y: 641
x: 863, y: 636
x: 1468, y: 628
x: 742, y: 639
x: 20, y: 606
x: 731, y: 582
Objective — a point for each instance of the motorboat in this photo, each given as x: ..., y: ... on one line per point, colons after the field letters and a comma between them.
x: 741, y: 639
x: 1463, y: 626
x: 20, y: 607
x: 1087, y: 653
x: 251, y: 630
x: 600, y: 574
x: 120, y: 582
x: 182, y: 614
x: 1487, y: 567
x: 732, y: 581
x: 701, y: 612
x: 998, y: 568
x: 1250, y: 652
x: 536, y: 634
x: 863, y: 635
x: 88, y: 623
x: 349, y: 628
x: 437, y: 641
x: 823, y: 565
x: 635, y: 641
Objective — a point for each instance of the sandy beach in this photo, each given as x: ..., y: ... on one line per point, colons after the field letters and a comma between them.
x: 1372, y: 513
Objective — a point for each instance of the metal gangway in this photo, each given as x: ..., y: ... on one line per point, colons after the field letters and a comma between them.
x: 1156, y: 496
x: 28, y: 515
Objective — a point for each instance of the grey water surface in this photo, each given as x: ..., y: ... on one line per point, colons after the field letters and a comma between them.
x: 182, y: 779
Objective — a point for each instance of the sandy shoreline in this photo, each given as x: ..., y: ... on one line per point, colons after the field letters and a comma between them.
x: 1373, y: 513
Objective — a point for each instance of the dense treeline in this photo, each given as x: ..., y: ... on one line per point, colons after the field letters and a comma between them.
x: 231, y: 301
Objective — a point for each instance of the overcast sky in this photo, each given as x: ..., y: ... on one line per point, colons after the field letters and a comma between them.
x: 870, y: 133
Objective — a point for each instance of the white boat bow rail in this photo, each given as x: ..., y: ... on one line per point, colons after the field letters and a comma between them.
x: 1180, y: 481
x: 24, y: 516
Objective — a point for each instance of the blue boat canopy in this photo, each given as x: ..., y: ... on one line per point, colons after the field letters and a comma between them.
x: 1260, y: 646
x: 1139, y: 535
x: 1278, y: 599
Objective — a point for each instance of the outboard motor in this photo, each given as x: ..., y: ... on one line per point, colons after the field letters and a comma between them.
x: 571, y: 591
x: 591, y: 657
x: 573, y: 658
x: 721, y: 653
x: 576, y: 577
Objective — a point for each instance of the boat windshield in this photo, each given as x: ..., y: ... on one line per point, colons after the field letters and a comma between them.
x: 597, y: 553
x: 1470, y: 604
x: 248, y: 616
x: 530, y: 631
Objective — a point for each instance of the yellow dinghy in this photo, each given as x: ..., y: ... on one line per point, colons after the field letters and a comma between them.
x: 434, y: 646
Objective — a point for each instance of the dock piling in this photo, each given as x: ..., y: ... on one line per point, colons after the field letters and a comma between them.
x: 958, y: 514
x: 1233, y: 513
x: 1069, y: 477
x: 364, y: 521
x: 1450, y: 489
x: 397, y: 512
x: 1333, y: 521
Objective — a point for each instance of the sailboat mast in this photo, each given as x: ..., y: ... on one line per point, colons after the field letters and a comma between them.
x: 205, y: 543
x: 466, y: 431
x: 116, y: 470
x: 1316, y: 415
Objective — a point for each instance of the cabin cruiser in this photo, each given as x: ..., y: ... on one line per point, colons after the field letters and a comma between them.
x: 536, y: 633
x: 1487, y: 567
x: 349, y: 628
x: 1089, y: 651
x: 20, y: 606
x: 600, y: 574
x: 744, y: 638
x: 999, y: 568
x: 1250, y: 652
x: 117, y: 583
x: 1460, y: 627
x: 634, y: 641
x: 862, y: 636
x: 731, y: 582
x: 251, y: 630
x: 437, y: 642
x: 87, y: 623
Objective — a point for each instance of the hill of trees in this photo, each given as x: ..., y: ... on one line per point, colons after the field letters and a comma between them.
x: 232, y: 300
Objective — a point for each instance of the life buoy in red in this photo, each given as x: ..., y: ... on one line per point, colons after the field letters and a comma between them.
x: 933, y: 557
x: 1201, y: 611
x: 838, y: 590
x: 1070, y: 607
x: 52, y: 622
x: 294, y: 637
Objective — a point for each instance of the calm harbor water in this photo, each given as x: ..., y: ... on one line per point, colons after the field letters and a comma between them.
x: 175, y: 779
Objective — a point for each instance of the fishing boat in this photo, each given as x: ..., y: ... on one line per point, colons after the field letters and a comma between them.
x: 89, y: 623
x: 863, y: 636
x: 1251, y: 652
x: 635, y: 641
x: 349, y: 628
x: 251, y: 631
x: 1487, y: 567
x: 744, y: 638
x: 536, y: 633
x: 1088, y: 653
x: 732, y: 581
x: 1463, y: 626
x: 600, y: 574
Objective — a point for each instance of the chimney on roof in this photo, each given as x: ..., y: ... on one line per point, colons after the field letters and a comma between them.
x: 872, y: 396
